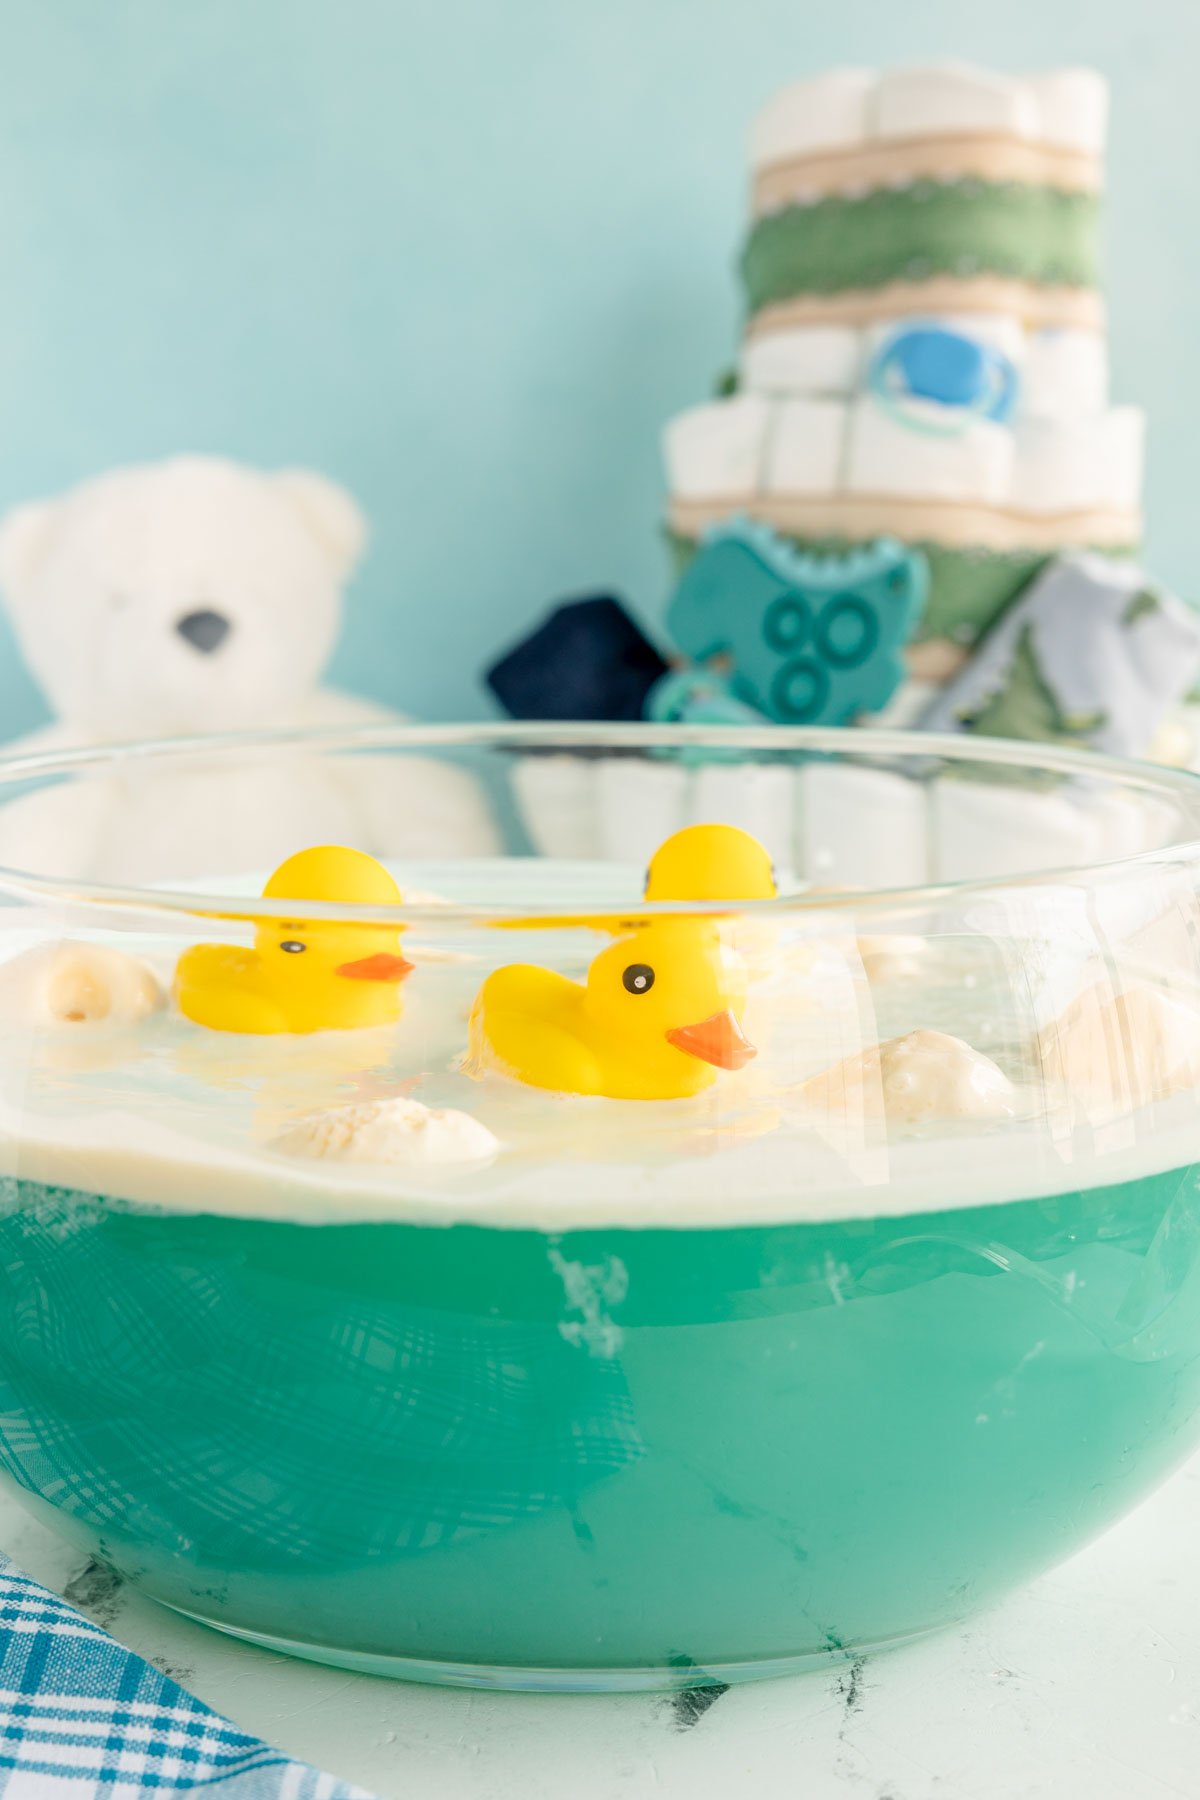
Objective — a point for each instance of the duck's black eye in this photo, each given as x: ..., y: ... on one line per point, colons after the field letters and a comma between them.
x: 638, y: 978
x: 293, y: 946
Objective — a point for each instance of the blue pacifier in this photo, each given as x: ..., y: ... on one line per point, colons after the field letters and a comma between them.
x: 972, y: 380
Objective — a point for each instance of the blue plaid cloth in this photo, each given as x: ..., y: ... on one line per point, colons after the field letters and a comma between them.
x: 81, y: 1718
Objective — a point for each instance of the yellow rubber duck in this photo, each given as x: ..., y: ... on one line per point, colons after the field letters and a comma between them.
x: 303, y: 975
x: 700, y: 862
x: 710, y: 862
x: 659, y: 1014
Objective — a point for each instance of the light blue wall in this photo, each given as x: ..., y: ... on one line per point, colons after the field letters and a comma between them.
x: 468, y: 257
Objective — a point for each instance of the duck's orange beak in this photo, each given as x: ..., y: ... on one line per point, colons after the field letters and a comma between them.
x: 383, y: 967
x: 719, y: 1040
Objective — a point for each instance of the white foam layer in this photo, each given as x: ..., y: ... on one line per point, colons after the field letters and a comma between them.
x: 122, y: 1157
x: 1062, y: 108
x: 717, y: 451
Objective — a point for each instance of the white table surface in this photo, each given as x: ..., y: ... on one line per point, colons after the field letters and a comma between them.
x: 1085, y: 1686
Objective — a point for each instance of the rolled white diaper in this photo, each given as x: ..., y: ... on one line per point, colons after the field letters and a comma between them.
x: 806, y: 448
x: 759, y: 798
x: 1065, y: 374
x: 1066, y: 109
x: 1124, y: 434
x: 638, y: 804
x: 803, y: 359
x: 829, y: 112
x: 860, y: 828
x: 556, y: 795
x: 1128, y: 824
x: 715, y: 452
x: 985, y: 830
x: 1071, y: 108
x: 1065, y: 465
x: 885, y: 456
x: 952, y: 99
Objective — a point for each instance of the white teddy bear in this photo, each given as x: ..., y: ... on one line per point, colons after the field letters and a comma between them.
x: 194, y: 596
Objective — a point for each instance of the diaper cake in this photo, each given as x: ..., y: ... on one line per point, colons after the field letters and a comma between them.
x: 911, y: 502
x: 924, y: 356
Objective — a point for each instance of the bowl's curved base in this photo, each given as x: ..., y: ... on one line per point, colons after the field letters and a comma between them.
x: 669, y: 1678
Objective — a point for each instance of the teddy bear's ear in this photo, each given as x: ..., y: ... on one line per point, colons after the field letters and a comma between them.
x: 24, y: 534
x: 330, y: 513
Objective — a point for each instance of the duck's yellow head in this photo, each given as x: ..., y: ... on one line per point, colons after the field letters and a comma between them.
x: 710, y: 862
x: 301, y: 950
x: 675, y: 984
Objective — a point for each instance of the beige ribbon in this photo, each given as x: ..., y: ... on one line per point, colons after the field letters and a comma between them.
x: 1037, y: 308
x: 895, y: 162
x: 954, y: 524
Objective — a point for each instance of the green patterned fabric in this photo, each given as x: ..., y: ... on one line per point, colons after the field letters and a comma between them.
x: 930, y: 228
x: 968, y: 589
x: 1026, y: 707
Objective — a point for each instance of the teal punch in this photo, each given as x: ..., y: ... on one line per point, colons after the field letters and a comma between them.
x: 814, y: 639
x: 401, y: 1444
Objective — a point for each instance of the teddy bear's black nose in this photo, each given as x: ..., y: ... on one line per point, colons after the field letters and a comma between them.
x: 205, y: 631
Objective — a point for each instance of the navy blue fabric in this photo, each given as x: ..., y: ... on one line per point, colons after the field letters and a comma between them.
x: 590, y: 660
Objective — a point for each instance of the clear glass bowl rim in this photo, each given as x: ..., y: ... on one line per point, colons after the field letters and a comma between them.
x: 864, y: 745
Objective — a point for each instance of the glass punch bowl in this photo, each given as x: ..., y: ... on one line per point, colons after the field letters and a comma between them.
x: 578, y: 1389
